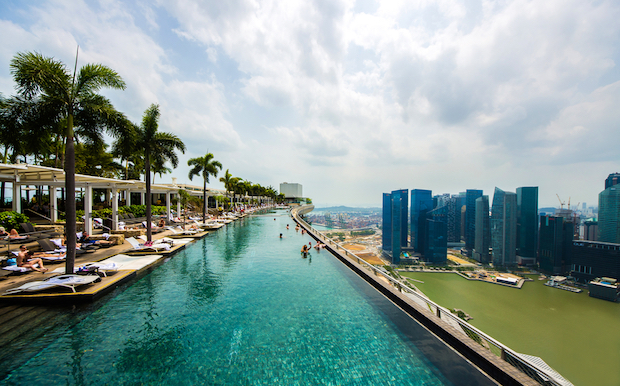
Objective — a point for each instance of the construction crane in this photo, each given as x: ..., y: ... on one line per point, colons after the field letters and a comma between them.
x: 561, y: 203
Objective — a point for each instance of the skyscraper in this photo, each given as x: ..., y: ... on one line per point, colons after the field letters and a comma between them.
x: 483, y: 231
x: 504, y: 228
x: 387, y: 222
x: 612, y: 179
x: 609, y: 215
x: 527, y: 224
x: 556, y: 236
x: 471, y: 195
x: 399, y: 222
x: 421, y: 203
x: 436, y: 245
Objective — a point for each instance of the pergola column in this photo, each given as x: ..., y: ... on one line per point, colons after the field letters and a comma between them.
x: 143, y: 198
x: 53, y: 204
x: 88, y: 209
x: 168, y: 205
x: 17, y: 196
x: 178, y: 205
x: 114, y: 209
x: 128, y: 197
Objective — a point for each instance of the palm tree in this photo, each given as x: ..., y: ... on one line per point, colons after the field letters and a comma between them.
x: 227, y: 180
x: 208, y: 167
x: 155, y: 144
x: 73, y: 95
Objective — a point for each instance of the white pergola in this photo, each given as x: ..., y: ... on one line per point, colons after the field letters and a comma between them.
x: 33, y: 175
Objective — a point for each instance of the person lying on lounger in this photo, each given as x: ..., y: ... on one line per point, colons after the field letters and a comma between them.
x: 24, y: 260
x: 15, y: 236
x: 85, y: 239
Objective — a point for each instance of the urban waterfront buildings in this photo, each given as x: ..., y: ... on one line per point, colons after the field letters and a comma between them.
x: 592, y: 259
x: 527, y: 225
x: 504, y: 228
x: 471, y: 197
x: 395, y: 223
x: 609, y: 214
x: 556, y: 237
x: 386, y: 234
x: 482, y: 231
x: 421, y: 203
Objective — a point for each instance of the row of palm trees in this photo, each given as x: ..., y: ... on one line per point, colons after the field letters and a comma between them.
x: 58, y: 114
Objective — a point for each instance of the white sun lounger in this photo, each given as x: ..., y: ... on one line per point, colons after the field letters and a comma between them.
x: 137, y: 246
x: 66, y: 281
x: 180, y: 231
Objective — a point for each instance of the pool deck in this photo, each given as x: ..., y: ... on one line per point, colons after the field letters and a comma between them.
x: 132, y: 264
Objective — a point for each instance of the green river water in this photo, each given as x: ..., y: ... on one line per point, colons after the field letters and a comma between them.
x: 577, y: 335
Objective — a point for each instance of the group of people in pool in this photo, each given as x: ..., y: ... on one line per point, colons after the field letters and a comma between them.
x: 306, y: 248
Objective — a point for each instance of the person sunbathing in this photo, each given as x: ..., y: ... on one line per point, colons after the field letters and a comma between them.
x: 24, y: 259
x: 3, y: 232
x: 13, y: 235
x: 43, y: 255
x: 85, y: 239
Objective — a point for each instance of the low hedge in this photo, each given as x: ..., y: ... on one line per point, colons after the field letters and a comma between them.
x: 11, y: 220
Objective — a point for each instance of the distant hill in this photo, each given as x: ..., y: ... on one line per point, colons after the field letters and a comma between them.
x: 336, y: 209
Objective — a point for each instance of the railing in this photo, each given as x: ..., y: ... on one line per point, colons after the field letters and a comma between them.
x: 541, y: 375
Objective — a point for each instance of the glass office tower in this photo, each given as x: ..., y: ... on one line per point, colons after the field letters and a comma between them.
x: 421, y: 204
x: 609, y: 215
x: 436, y: 230
x: 527, y: 222
x: 387, y: 222
x: 400, y: 199
x: 471, y: 195
x: 504, y: 228
x: 556, y: 236
x: 482, y: 252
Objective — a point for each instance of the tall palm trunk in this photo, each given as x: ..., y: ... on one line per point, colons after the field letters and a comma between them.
x: 204, y: 200
x: 147, y: 167
x: 70, y: 197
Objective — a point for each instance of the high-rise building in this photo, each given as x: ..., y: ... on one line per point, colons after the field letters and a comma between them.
x: 527, y: 224
x: 387, y: 223
x: 609, y: 215
x: 592, y: 259
x: 612, y: 179
x: 482, y: 252
x: 421, y: 204
x: 556, y: 236
x: 436, y: 245
x: 471, y: 195
x: 504, y: 228
x: 395, y: 223
x: 400, y: 199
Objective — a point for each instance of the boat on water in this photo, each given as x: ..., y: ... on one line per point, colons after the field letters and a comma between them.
x: 557, y: 282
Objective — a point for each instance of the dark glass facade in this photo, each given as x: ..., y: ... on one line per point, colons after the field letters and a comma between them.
x: 609, y: 215
x: 399, y: 223
x: 471, y: 195
x: 387, y: 222
x: 556, y: 237
x: 436, y: 245
x: 527, y: 221
x: 612, y: 179
x: 504, y: 228
x: 592, y: 259
x: 482, y: 245
x: 421, y: 204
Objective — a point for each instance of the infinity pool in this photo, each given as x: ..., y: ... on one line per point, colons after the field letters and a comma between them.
x: 241, y: 307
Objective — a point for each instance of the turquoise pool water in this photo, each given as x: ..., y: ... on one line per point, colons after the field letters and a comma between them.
x: 241, y: 307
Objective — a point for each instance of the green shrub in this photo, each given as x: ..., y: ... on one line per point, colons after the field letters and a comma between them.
x: 11, y: 220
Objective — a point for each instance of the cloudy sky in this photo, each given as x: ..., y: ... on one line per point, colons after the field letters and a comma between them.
x: 355, y: 98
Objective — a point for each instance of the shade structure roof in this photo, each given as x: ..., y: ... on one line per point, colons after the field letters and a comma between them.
x: 26, y: 174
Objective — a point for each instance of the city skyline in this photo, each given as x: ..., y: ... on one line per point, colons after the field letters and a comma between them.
x: 352, y: 99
